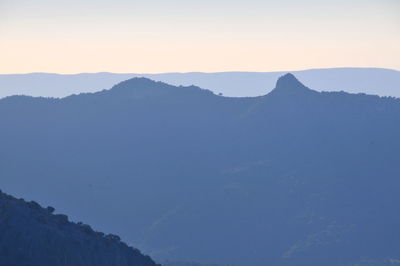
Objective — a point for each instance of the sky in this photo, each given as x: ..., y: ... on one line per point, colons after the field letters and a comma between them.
x: 154, y: 36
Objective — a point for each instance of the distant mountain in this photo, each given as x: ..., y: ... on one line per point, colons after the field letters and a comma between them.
x: 294, y: 177
x: 31, y: 235
x: 377, y: 81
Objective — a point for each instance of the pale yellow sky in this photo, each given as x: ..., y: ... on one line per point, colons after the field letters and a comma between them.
x: 118, y: 36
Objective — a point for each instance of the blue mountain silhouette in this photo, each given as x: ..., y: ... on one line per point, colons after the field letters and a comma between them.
x: 294, y: 177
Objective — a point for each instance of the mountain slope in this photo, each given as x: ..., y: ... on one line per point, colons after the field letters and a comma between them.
x: 32, y: 235
x: 294, y: 177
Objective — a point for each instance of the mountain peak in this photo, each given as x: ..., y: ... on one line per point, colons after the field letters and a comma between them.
x: 289, y: 83
x: 140, y: 87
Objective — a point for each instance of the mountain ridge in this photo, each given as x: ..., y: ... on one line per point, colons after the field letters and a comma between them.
x: 33, y: 235
x: 289, y: 180
x: 383, y: 82
x: 287, y: 82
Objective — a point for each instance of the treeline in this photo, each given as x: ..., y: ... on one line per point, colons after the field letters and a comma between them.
x: 31, y: 235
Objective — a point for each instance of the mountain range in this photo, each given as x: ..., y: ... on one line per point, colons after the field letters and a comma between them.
x: 292, y: 177
x: 377, y: 81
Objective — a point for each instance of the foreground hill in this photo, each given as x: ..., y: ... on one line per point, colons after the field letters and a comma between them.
x: 295, y: 177
x: 378, y: 81
x: 31, y: 235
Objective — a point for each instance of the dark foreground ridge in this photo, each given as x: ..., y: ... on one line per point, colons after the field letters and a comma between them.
x: 31, y: 235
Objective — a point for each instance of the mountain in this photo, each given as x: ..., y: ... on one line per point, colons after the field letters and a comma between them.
x: 32, y: 235
x: 377, y: 81
x: 294, y: 177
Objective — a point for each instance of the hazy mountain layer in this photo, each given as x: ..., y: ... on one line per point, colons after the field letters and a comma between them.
x: 295, y: 177
x: 377, y: 81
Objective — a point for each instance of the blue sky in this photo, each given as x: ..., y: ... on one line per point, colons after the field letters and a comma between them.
x: 164, y: 36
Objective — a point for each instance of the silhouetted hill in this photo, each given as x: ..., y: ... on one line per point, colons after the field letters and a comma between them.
x: 294, y: 177
x: 31, y: 235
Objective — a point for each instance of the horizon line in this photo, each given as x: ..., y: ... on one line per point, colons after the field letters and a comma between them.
x: 196, y: 72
